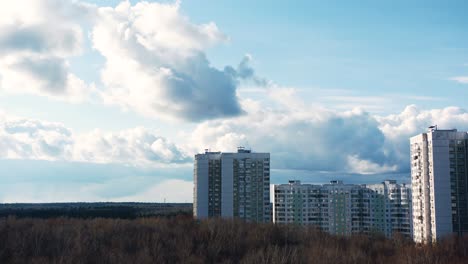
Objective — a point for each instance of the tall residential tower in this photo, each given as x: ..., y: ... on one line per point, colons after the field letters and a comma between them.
x: 439, y: 177
x: 232, y: 185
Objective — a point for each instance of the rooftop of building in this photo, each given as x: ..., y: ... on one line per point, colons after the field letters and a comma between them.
x: 337, y: 183
x: 435, y: 128
x: 239, y: 150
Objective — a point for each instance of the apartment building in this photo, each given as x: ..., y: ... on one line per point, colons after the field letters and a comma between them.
x: 345, y: 209
x: 439, y: 177
x: 232, y: 185
x: 390, y: 205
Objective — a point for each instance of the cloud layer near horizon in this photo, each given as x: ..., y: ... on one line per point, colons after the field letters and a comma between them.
x: 22, y: 138
x: 308, y: 139
x: 325, y: 140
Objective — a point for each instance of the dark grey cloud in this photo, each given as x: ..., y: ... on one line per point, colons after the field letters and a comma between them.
x: 245, y: 72
x: 35, y: 47
x: 244, y: 69
x: 202, y: 92
x: 52, y: 71
x: 326, y: 145
x: 316, y: 140
x: 38, y: 39
x: 12, y: 39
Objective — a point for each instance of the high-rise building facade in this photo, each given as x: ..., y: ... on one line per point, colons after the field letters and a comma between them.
x: 345, y: 209
x: 232, y: 185
x: 390, y: 207
x: 439, y: 176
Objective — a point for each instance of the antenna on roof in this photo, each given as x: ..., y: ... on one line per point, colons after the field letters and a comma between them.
x: 432, y: 128
x: 243, y: 150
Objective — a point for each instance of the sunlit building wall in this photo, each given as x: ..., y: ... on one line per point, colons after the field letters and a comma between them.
x: 439, y: 177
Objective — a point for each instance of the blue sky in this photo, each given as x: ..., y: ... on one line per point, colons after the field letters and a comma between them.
x: 110, y: 100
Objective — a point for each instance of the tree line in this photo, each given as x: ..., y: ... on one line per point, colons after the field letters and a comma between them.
x: 94, y: 210
x: 181, y: 239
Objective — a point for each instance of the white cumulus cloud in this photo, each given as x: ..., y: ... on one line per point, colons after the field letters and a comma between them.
x: 304, y: 137
x: 138, y: 146
x: 37, y: 37
x: 22, y: 138
x: 34, y: 139
x: 310, y: 139
x: 156, y: 65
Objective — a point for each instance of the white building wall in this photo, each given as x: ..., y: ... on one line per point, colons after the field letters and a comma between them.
x: 420, y: 188
x: 431, y: 178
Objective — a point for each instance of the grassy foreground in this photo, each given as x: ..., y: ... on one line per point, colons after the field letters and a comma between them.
x: 184, y: 240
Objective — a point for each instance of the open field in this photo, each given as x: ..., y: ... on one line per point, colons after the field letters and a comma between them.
x: 183, y: 240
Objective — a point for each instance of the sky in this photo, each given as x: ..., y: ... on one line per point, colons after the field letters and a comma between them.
x: 110, y: 100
